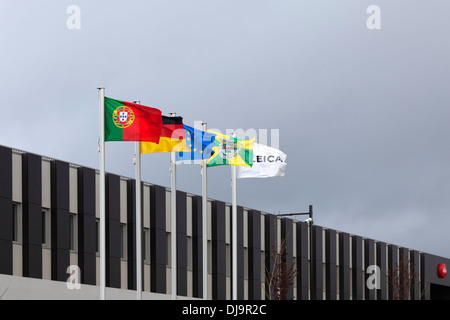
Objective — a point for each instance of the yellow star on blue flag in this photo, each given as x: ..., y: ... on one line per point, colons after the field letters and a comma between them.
x: 200, y: 143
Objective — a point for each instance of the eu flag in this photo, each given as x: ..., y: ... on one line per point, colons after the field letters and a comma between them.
x: 200, y: 143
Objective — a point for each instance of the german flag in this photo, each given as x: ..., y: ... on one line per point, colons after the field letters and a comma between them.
x: 172, y: 138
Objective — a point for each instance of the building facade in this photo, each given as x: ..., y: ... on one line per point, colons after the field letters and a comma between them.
x: 49, y: 221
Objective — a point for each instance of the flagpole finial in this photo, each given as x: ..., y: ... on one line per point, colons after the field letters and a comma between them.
x: 100, y: 88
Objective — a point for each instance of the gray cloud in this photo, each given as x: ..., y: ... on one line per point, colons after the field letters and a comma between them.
x: 362, y: 114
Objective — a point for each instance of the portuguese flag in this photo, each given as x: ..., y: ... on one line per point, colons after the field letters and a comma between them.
x: 172, y: 138
x: 126, y: 121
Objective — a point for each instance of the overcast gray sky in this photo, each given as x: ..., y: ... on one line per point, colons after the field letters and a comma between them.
x: 362, y: 114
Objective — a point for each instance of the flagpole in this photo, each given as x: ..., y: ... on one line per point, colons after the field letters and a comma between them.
x: 138, y: 221
x: 101, y: 98
x: 234, y: 229
x: 173, y: 196
x: 204, y: 223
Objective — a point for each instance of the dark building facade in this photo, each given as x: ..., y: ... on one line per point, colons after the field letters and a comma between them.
x: 49, y: 220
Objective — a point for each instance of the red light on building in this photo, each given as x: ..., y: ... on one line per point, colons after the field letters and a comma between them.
x: 442, y: 270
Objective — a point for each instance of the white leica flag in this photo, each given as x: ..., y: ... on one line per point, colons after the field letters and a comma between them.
x: 267, y: 162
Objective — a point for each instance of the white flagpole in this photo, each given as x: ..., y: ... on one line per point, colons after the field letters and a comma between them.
x: 234, y: 229
x: 101, y: 98
x: 204, y: 224
x: 138, y: 221
x: 173, y: 194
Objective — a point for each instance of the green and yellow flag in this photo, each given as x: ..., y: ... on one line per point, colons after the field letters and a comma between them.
x: 231, y: 151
